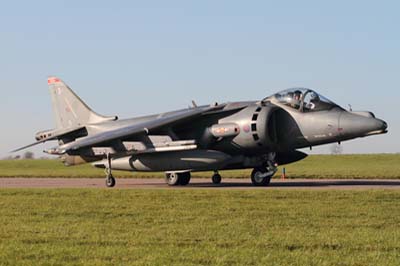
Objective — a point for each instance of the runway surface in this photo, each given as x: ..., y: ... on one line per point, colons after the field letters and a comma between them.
x: 198, y: 183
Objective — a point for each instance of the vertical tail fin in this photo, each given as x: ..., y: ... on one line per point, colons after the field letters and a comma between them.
x: 69, y: 109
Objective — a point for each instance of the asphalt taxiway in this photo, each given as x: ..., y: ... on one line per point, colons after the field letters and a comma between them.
x: 201, y: 183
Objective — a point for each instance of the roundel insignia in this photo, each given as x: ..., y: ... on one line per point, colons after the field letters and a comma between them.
x: 246, y: 128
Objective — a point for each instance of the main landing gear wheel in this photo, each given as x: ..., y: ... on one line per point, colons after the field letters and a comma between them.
x: 172, y: 179
x: 184, y: 178
x: 261, y: 177
x: 176, y: 179
x: 216, y: 178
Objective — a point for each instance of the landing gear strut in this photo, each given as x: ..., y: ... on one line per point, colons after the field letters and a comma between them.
x: 110, y: 180
x: 177, y: 179
x: 216, y: 178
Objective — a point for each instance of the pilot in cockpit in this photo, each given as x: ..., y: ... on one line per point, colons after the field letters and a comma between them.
x: 296, y: 99
x: 304, y: 100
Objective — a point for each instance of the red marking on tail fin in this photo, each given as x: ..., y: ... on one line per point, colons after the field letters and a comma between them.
x: 53, y: 80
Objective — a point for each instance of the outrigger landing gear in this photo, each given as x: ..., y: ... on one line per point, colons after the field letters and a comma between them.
x: 110, y: 180
x: 216, y: 178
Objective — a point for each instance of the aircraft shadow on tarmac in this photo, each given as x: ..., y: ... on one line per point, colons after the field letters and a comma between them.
x: 307, y: 184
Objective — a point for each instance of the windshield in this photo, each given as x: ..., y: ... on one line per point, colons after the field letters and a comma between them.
x: 304, y: 100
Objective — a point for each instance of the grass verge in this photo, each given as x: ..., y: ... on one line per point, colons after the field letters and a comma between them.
x: 379, y: 166
x: 198, y: 227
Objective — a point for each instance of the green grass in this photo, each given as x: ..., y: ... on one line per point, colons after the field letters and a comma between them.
x: 315, y: 166
x: 199, y: 227
x: 347, y: 166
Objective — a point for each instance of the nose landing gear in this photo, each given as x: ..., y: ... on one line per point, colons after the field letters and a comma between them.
x: 261, y: 176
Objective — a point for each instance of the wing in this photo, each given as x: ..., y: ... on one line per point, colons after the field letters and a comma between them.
x: 132, y: 130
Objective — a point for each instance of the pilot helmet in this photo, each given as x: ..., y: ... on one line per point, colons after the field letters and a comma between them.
x: 297, y: 95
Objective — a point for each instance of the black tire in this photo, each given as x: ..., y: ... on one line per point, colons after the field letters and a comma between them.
x: 184, y: 178
x: 216, y: 179
x: 172, y: 179
x: 110, y: 181
x: 257, y: 179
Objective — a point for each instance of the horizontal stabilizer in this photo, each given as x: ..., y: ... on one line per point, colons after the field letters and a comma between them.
x: 52, y: 135
x: 28, y: 146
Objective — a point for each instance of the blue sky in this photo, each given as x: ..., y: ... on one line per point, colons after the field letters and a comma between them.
x: 138, y: 57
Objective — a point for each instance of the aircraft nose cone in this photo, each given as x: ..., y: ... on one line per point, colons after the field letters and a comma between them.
x: 384, y: 125
x: 376, y: 125
x: 355, y: 125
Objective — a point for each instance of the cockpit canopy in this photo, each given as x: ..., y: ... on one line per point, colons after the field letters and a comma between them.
x: 304, y: 100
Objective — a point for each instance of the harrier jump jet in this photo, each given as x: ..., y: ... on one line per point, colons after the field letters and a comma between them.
x: 237, y: 135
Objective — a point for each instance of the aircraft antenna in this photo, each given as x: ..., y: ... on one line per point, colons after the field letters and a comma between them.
x: 350, y: 108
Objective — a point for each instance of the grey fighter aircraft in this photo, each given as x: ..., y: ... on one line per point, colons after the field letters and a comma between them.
x: 238, y: 135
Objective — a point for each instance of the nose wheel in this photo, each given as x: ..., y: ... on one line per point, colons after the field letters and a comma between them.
x: 261, y: 176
